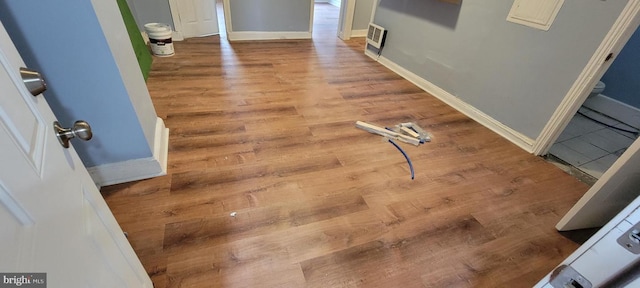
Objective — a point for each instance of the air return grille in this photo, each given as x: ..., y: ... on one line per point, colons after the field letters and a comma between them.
x: 375, y: 35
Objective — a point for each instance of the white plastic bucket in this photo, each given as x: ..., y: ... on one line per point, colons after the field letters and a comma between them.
x: 160, y: 39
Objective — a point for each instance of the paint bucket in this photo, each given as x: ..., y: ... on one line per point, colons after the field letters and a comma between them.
x: 160, y: 39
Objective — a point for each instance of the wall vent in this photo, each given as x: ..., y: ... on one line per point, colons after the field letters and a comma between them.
x: 376, y: 35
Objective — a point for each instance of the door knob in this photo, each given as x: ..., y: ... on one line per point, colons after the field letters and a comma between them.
x: 33, y: 80
x: 80, y: 129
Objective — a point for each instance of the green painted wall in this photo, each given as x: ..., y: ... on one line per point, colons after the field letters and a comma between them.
x: 139, y: 47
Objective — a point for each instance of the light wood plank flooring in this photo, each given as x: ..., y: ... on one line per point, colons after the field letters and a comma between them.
x: 266, y: 130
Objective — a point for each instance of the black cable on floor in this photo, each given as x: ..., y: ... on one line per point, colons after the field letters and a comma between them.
x: 608, y: 125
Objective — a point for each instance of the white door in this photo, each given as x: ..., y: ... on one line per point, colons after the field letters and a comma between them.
x: 196, y: 17
x: 52, y: 216
x: 609, y: 195
x: 610, y: 258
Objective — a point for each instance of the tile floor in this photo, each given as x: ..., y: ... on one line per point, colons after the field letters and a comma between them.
x: 590, y: 146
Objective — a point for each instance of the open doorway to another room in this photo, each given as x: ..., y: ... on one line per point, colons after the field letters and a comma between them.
x: 608, y: 121
x: 326, y: 15
x: 341, y: 18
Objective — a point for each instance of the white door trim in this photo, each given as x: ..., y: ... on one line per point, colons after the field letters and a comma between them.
x: 615, y: 40
x: 347, y: 12
x: 226, y: 7
x: 313, y: 3
x: 177, y: 25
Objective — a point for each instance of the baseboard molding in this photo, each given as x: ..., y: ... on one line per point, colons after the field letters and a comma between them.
x: 615, y: 109
x: 372, y: 55
x: 145, y: 37
x: 335, y: 2
x: 257, y: 35
x: 177, y: 36
x: 136, y: 169
x: 515, y: 137
x: 359, y: 33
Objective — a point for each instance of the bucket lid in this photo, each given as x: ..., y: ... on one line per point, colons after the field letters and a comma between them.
x: 157, y: 27
x: 599, y: 85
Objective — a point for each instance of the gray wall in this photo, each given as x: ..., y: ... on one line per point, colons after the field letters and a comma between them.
x: 64, y: 40
x: 150, y: 11
x: 516, y: 74
x: 270, y: 15
x: 623, y: 77
x: 362, y: 14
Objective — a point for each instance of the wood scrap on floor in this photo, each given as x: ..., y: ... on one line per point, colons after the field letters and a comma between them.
x: 387, y: 133
x: 414, y: 135
x: 424, y: 136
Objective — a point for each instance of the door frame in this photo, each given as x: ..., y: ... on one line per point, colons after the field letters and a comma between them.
x: 345, y: 21
x: 175, y: 16
x: 614, y: 41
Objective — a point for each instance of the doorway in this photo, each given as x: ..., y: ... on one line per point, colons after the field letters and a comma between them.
x: 344, y: 18
x: 326, y: 15
x: 608, y: 121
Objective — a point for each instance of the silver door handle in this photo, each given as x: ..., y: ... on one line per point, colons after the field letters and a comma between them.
x: 80, y: 129
x: 33, y: 80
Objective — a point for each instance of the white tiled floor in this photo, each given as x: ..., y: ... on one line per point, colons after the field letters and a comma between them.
x: 590, y: 146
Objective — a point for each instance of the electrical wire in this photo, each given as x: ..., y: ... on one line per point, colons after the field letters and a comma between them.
x: 608, y: 125
x: 405, y: 156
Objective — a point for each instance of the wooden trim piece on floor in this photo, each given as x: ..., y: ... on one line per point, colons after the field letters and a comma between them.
x: 619, y: 34
x: 387, y: 133
x: 136, y: 169
x: 514, y: 136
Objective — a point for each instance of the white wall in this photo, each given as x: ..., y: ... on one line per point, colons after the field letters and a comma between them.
x: 362, y: 14
x: 515, y: 74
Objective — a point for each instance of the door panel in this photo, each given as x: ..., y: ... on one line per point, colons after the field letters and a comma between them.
x: 602, y: 260
x: 198, y: 17
x: 609, y: 195
x: 52, y: 215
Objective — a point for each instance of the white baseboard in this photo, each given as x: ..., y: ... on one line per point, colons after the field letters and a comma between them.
x: 176, y: 36
x: 372, y: 55
x: 136, y: 169
x: 515, y: 137
x: 335, y: 2
x: 145, y: 37
x: 251, y: 35
x: 615, y: 109
x: 359, y: 33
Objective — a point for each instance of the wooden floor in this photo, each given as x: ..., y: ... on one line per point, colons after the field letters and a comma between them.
x: 266, y: 131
